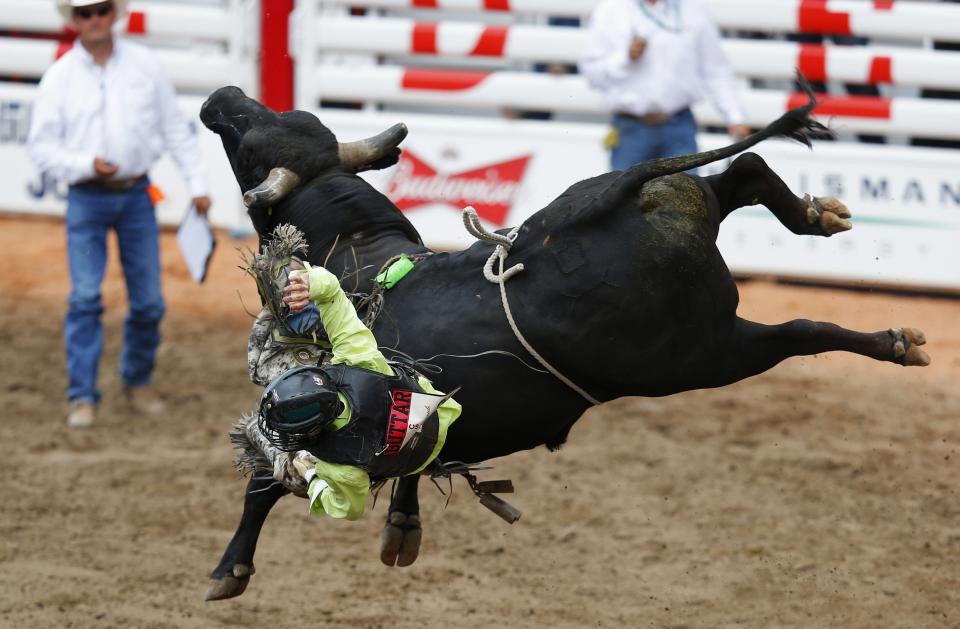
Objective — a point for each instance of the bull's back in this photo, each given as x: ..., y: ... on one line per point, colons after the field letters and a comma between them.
x: 626, y: 302
x: 642, y: 283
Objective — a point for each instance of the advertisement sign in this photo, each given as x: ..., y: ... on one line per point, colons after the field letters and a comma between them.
x: 505, y: 169
x: 906, y: 217
x: 491, y: 189
x: 28, y: 191
x: 905, y: 201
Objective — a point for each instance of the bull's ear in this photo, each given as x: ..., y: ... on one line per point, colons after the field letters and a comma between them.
x: 370, y: 152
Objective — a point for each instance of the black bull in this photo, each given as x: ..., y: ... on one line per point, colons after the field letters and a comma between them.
x: 624, y: 290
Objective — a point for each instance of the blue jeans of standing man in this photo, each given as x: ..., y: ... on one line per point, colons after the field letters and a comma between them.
x: 91, y: 212
x: 639, y: 142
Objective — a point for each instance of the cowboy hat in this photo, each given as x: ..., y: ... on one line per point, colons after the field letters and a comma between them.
x: 66, y: 6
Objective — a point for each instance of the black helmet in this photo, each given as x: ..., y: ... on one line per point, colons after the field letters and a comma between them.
x: 296, y: 406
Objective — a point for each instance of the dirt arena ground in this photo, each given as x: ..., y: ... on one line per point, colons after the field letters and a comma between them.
x: 820, y: 494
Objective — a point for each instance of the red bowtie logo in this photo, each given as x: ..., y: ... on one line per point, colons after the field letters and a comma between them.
x: 491, y: 190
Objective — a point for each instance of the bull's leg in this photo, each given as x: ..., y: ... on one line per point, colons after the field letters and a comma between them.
x: 400, y: 540
x: 232, y: 574
x: 749, y: 181
x: 755, y: 347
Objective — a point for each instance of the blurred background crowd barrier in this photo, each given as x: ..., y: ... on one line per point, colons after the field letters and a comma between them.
x: 499, y: 118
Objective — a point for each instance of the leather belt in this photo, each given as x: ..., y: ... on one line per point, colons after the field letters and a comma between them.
x: 113, y: 185
x: 654, y: 118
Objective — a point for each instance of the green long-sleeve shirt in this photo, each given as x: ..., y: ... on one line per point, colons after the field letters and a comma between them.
x: 353, y: 344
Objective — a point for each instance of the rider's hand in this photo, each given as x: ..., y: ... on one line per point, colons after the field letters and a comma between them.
x: 297, y: 291
x: 295, y: 471
x: 304, y: 465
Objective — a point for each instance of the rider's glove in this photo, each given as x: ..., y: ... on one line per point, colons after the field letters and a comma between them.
x: 295, y: 471
x: 304, y: 465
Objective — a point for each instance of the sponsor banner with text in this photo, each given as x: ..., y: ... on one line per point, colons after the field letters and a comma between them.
x: 905, y: 201
x: 29, y: 192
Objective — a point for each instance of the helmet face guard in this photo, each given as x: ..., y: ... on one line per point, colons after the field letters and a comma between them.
x: 296, y: 407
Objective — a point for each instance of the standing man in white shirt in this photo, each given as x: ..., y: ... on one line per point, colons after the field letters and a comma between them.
x: 652, y: 60
x: 103, y: 115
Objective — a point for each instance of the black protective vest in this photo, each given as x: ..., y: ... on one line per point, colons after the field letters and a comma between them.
x: 372, y: 439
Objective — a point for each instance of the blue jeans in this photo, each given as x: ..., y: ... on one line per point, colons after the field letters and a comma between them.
x: 639, y: 142
x: 91, y: 212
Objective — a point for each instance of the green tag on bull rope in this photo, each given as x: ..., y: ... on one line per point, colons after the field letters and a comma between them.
x: 397, y: 270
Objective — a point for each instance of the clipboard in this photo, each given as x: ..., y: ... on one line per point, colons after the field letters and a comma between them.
x: 196, y: 241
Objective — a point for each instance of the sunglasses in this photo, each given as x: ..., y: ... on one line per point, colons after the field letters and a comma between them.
x: 85, y: 13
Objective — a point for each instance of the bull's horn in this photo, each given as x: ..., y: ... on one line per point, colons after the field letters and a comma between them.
x: 277, y: 185
x: 362, y: 153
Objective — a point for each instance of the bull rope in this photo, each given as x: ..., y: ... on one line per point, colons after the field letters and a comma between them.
x: 503, y: 244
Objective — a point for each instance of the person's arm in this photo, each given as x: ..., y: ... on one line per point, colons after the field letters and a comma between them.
x: 718, y: 77
x: 605, y: 60
x: 45, y: 142
x: 180, y: 141
x: 339, y: 491
x: 353, y: 344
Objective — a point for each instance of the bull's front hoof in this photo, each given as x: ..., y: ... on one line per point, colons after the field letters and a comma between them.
x: 230, y: 585
x: 400, y: 539
x: 828, y: 213
x: 906, y: 350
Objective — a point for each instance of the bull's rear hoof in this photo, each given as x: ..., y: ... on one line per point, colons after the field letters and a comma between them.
x: 906, y: 350
x: 829, y: 213
x: 400, y: 539
x: 230, y: 585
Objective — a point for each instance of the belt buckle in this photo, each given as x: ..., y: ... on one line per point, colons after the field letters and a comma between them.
x: 121, y: 185
x: 655, y: 118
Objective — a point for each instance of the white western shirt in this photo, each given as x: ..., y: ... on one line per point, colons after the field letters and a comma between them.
x: 682, y: 62
x: 125, y: 112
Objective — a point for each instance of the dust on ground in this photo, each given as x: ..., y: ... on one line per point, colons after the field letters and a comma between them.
x: 822, y: 493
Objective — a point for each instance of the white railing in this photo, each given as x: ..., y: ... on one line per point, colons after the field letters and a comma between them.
x: 29, y: 59
x: 888, y: 19
x: 530, y: 43
x: 153, y: 19
x: 200, y: 46
x: 893, y: 19
x: 466, y: 89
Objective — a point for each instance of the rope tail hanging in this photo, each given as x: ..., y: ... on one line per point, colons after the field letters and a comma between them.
x: 503, y: 244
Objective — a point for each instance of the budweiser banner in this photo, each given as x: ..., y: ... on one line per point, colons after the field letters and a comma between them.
x: 490, y: 189
x: 505, y: 169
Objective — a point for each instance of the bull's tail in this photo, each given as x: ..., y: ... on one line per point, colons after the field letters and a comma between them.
x: 796, y: 124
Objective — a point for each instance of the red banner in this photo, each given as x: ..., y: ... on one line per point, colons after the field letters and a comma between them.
x: 490, y: 189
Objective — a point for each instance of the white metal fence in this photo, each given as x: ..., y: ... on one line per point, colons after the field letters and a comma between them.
x: 200, y: 45
x: 447, y: 54
x: 451, y: 68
